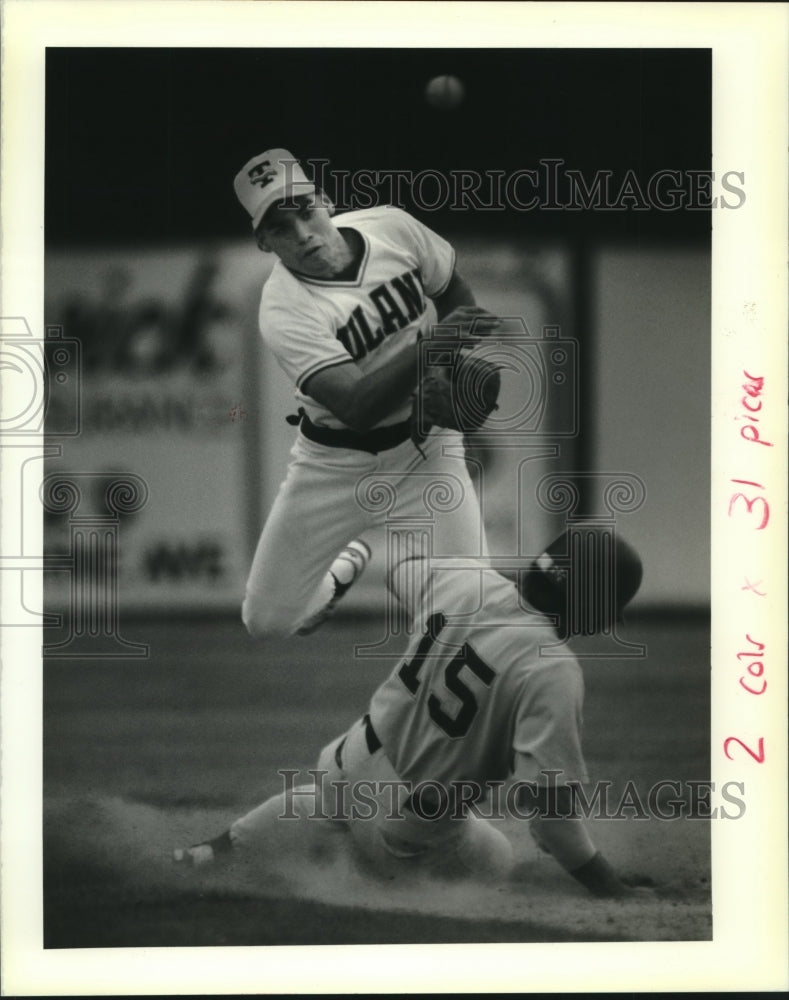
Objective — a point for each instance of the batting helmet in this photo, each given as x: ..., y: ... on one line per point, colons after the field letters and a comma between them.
x: 586, y: 577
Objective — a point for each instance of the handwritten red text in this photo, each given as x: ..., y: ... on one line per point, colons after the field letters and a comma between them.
x: 752, y: 404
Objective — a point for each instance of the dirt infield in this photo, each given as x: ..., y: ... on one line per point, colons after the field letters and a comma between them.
x: 144, y: 756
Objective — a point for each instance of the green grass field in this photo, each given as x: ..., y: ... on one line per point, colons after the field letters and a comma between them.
x: 143, y: 756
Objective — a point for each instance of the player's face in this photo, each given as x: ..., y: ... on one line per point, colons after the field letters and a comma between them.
x: 302, y: 235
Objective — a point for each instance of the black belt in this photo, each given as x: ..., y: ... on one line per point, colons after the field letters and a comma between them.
x: 378, y: 439
x: 373, y: 743
x: 370, y: 736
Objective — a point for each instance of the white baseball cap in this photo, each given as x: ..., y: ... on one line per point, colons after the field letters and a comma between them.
x: 267, y: 178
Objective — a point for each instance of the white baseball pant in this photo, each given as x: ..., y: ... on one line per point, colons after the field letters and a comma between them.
x: 331, y: 496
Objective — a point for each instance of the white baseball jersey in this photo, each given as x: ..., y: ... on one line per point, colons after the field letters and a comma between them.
x: 311, y: 323
x: 473, y: 688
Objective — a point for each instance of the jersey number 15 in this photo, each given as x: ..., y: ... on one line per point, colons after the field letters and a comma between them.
x: 460, y: 724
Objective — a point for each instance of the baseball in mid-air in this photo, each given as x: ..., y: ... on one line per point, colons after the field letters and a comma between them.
x: 445, y: 93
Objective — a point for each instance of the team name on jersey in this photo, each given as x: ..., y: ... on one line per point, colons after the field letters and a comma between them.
x: 398, y: 302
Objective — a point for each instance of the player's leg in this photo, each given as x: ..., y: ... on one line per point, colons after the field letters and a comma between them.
x: 302, y: 821
x: 437, y: 515
x: 444, y: 488
x: 313, y: 518
x: 480, y: 851
x: 295, y: 571
x: 448, y: 845
x: 343, y: 573
x: 389, y: 837
x: 439, y: 492
x: 284, y: 827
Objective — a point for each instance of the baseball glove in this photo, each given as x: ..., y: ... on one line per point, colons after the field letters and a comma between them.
x: 460, y: 396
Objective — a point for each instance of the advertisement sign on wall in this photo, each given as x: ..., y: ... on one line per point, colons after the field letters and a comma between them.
x: 167, y: 352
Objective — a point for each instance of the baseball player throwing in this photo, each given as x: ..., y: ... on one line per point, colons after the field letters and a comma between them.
x: 342, y: 312
x: 473, y: 702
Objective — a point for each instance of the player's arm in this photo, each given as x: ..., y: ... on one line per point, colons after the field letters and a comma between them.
x: 361, y: 401
x: 559, y: 831
x: 457, y: 294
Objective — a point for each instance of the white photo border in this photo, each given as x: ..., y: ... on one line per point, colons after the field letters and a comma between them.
x: 749, y: 322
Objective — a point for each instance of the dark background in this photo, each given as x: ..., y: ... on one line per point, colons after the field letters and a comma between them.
x: 143, y: 144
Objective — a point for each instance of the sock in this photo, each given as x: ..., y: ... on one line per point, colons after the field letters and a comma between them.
x: 279, y: 823
x: 223, y: 844
x: 340, y: 576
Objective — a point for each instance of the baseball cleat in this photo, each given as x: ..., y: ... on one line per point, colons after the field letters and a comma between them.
x: 203, y: 854
x: 346, y: 570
